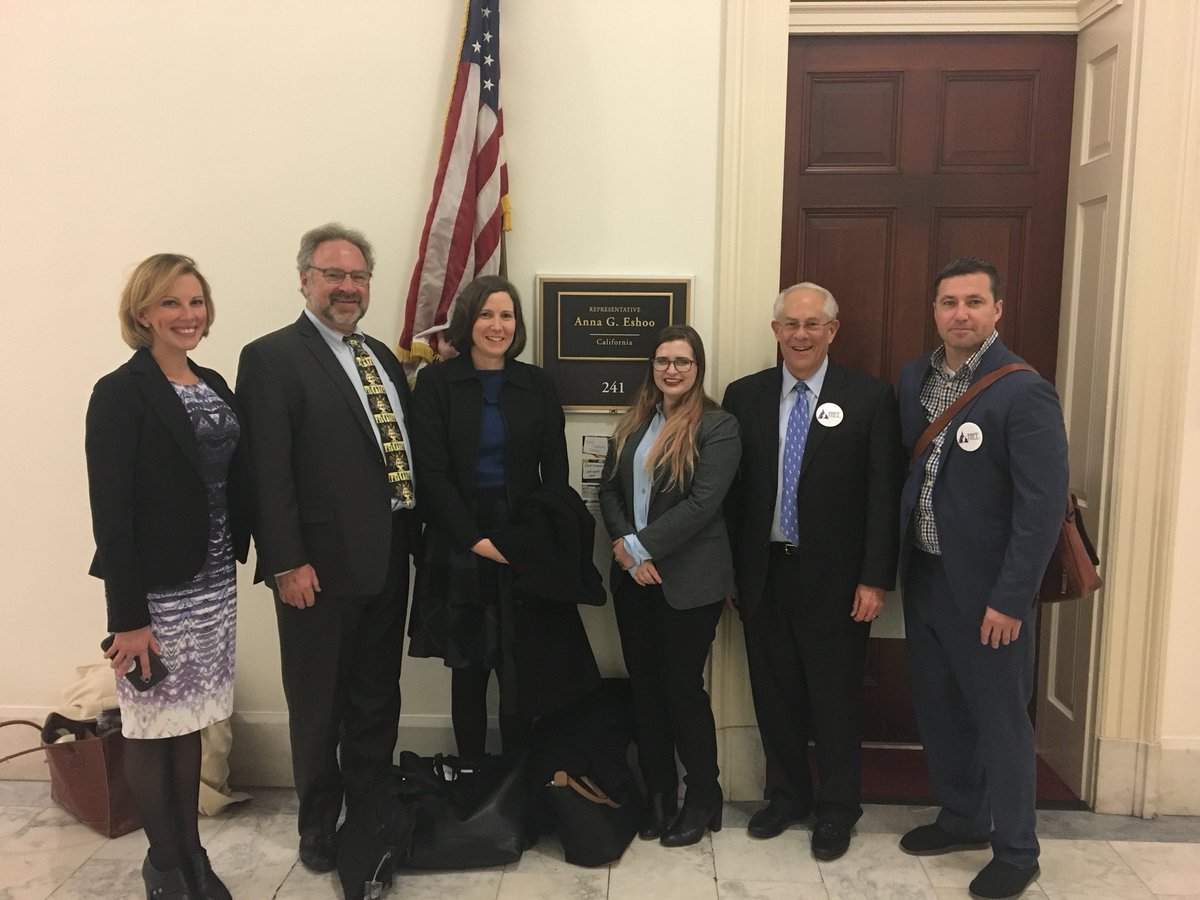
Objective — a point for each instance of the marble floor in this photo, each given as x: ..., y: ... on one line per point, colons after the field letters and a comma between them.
x: 46, y: 853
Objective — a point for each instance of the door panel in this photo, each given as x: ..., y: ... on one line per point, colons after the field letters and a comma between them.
x: 903, y: 153
x: 1087, y: 381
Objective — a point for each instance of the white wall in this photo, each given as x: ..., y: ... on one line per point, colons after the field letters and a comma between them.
x: 226, y: 129
x: 1178, y: 786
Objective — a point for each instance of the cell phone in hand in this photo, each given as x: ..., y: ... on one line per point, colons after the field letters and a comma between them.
x: 158, y: 668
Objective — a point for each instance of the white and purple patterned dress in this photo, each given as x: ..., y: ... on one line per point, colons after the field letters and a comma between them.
x: 196, y: 621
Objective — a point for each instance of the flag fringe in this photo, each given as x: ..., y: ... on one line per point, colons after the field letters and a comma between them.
x: 420, y: 352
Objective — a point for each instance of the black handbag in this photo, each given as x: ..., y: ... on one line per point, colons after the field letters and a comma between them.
x: 466, y: 814
x: 593, y: 827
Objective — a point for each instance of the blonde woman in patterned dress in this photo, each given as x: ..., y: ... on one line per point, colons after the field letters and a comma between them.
x: 166, y: 479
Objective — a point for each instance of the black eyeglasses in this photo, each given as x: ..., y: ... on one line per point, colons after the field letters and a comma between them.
x: 681, y: 363
x: 337, y: 276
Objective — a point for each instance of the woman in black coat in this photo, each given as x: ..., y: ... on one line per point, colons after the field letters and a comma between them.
x: 167, y: 483
x: 487, y: 434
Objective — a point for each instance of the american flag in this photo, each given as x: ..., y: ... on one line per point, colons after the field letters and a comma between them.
x: 469, y: 209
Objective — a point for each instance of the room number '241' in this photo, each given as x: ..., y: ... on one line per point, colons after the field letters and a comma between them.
x: 612, y: 387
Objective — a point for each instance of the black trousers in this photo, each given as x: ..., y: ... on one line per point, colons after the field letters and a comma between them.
x: 807, y: 683
x: 972, y: 705
x: 484, y: 629
x: 468, y: 713
x: 665, y: 650
x: 341, y: 660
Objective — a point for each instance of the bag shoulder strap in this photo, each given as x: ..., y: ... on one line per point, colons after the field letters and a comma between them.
x: 968, y: 395
x: 33, y: 725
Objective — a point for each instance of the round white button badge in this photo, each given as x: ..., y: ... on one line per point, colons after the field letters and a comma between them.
x: 970, y: 437
x: 830, y: 415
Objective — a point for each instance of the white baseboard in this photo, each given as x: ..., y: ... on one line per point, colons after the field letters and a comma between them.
x: 743, y: 768
x: 1179, y: 779
x: 261, y: 754
x: 1133, y: 777
x: 1148, y: 778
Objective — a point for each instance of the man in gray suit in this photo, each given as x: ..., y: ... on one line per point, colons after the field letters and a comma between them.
x: 325, y: 415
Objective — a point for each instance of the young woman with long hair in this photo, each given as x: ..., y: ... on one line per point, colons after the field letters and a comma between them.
x: 672, y: 459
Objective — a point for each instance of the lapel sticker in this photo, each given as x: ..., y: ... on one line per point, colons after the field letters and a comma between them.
x: 829, y: 415
x: 970, y: 437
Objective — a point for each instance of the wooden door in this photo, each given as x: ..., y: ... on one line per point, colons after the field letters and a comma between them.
x: 902, y: 154
x: 1087, y: 375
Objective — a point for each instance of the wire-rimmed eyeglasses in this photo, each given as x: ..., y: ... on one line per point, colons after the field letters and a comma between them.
x: 337, y: 276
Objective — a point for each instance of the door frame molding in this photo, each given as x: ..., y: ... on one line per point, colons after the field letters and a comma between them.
x: 1150, y: 404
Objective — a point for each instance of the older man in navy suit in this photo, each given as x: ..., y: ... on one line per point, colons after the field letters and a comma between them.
x: 980, y: 510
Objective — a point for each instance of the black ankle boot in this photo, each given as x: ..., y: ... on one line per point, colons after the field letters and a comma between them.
x: 208, y: 885
x: 169, y: 885
x: 660, y: 812
x: 689, y: 826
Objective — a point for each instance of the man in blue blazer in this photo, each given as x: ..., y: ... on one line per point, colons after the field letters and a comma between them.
x: 334, y: 508
x: 980, y: 512
x: 812, y: 524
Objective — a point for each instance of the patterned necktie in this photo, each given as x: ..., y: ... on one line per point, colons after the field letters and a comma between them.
x: 399, y: 474
x: 793, y: 453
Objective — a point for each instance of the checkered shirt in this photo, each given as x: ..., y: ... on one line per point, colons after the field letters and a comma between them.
x: 938, y: 392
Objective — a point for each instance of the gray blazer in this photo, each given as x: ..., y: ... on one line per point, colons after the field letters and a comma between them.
x: 685, y: 533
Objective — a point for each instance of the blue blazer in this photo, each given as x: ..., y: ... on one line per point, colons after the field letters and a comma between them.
x: 998, y: 508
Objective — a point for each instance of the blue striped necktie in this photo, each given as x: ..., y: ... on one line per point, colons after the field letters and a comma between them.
x: 793, y: 453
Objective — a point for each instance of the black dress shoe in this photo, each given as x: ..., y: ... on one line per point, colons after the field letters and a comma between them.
x: 691, y: 823
x: 830, y: 840
x: 318, y: 852
x: 932, y: 840
x: 999, y: 880
x: 208, y: 885
x: 774, y: 819
x: 661, y: 810
x: 171, y: 884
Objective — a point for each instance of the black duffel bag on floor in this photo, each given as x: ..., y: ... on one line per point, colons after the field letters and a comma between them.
x: 466, y: 814
x: 593, y: 827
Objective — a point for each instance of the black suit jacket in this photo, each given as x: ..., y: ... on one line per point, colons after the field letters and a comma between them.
x: 148, y: 497
x: 320, y: 478
x: 447, y: 413
x: 848, y: 496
